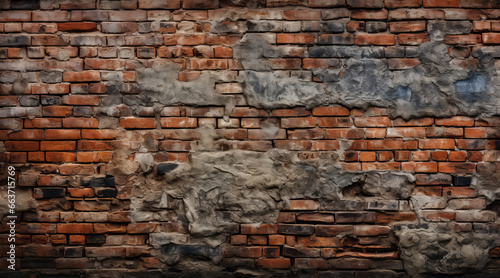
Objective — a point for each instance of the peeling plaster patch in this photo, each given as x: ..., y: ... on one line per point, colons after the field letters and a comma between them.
x: 437, y: 87
x: 251, y: 187
x: 264, y: 90
x: 436, y: 250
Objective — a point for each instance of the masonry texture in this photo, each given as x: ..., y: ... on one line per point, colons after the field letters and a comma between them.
x: 251, y: 138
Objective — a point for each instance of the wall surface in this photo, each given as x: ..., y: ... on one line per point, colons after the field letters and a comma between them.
x: 242, y: 138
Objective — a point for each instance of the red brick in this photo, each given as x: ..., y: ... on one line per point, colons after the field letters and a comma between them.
x: 76, y: 240
x: 295, y: 39
x: 302, y: 15
x: 481, y: 26
x: 223, y: 52
x: 16, y: 146
x: 319, y: 241
x: 27, y: 134
x: 296, y: 112
x: 8, y: 101
x: 457, y: 156
x: 77, y: 26
x: 367, y: 156
x: 274, y: 263
x: 390, y: 217
x: 257, y: 240
x: 471, y: 144
x: 412, y: 39
x: 18, y: 157
x: 239, y: 240
x: 371, y: 230
x: 441, y: 3
x: 50, y: 16
x: 436, y: 144
x: 42, y: 123
x: 440, y: 216
x: 342, y: 133
x: 243, y: 252
x: 84, y: 76
x: 463, y: 39
x: 330, y: 111
x: 178, y: 122
x: 62, y: 134
x: 208, y: 64
x: 491, y: 38
x: 419, y: 167
x: 421, y: 156
x: 101, y: 134
x: 385, y: 156
x: 444, y: 132
x: 60, y: 157
x: 175, y: 146
x: 257, y: 229
x: 94, y: 157
x: 57, y: 145
x: 86, y: 145
x: 457, y: 167
x: 475, y: 156
x: 10, y: 16
x: 406, y: 14
x: 459, y: 192
x: 380, y: 166
x: 80, y: 123
x: 138, y: 123
x: 109, y: 228
x: 303, y: 205
x: 75, y: 228
x: 36, y: 156
x: 375, y: 39
x: 57, y: 111
x: 159, y: 4
x: 408, y: 26
x: 276, y: 240
x: 335, y: 122
x: 368, y: 14
x: 293, y: 145
x: 406, y: 132
x: 53, y: 89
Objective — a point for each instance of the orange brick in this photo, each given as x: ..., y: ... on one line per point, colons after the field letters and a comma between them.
x: 367, y: 156
x: 84, y: 76
x: 457, y: 156
x: 138, y: 123
x: 77, y: 26
x: 94, y: 157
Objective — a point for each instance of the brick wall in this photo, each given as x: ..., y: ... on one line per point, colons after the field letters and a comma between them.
x: 113, y: 111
